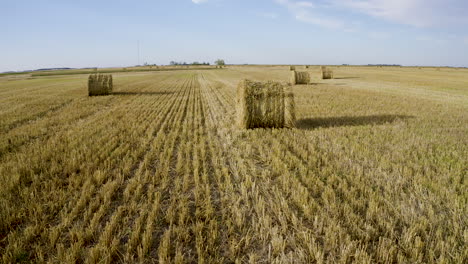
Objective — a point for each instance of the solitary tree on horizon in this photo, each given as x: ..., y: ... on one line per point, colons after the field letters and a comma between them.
x: 220, y: 62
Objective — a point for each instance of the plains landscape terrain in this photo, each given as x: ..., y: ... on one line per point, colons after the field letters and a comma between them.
x: 374, y: 171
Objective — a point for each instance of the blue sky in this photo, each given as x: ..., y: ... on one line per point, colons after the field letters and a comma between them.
x: 66, y: 33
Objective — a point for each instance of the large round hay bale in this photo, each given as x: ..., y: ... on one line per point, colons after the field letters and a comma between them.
x: 327, y: 74
x: 100, y: 84
x: 264, y: 105
x: 292, y: 68
x: 299, y: 78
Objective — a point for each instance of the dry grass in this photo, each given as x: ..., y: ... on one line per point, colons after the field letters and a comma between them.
x: 374, y: 172
x: 100, y: 84
x: 264, y: 105
x: 299, y: 78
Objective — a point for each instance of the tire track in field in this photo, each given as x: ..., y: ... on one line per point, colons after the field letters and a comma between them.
x: 171, y: 173
x: 219, y: 180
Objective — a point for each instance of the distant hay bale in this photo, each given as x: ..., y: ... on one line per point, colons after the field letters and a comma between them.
x: 100, y: 84
x: 307, y: 66
x: 292, y: 68
x: 299, y: 78
x: 264, y: 105
x: 327, y: 74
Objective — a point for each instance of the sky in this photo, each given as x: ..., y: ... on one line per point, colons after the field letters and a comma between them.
x: 107, y: 33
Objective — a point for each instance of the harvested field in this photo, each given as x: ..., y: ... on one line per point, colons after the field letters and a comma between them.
x: 374, y: 171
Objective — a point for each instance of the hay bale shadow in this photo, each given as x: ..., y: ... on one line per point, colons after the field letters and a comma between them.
x: 326, y: 122
x: 309, y: 84
x: 140, y: 93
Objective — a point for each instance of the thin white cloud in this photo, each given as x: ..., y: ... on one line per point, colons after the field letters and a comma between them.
x: 319, y: 20
x: 419, y: 13
x: 305, y: 4
x: 304, y: 11
x: 269, y: 15
x: 199, y: 1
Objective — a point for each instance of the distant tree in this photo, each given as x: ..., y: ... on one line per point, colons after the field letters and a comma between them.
x: 220, y: 62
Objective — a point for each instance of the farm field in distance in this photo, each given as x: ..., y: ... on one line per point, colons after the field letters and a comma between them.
x: 374, y: 172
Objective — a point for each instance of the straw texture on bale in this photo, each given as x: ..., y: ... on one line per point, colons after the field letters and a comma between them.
x: 100, y: 84
x: 327, y: 74
x: 264, y: 105
x: 292, y: 68
x: 289, y: 110
x: 299, y: 78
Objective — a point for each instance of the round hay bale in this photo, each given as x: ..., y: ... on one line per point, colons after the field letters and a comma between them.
x: 299, y: 78
x: 327, y: 74
x: 264, y: 105
x: 99, y: 84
